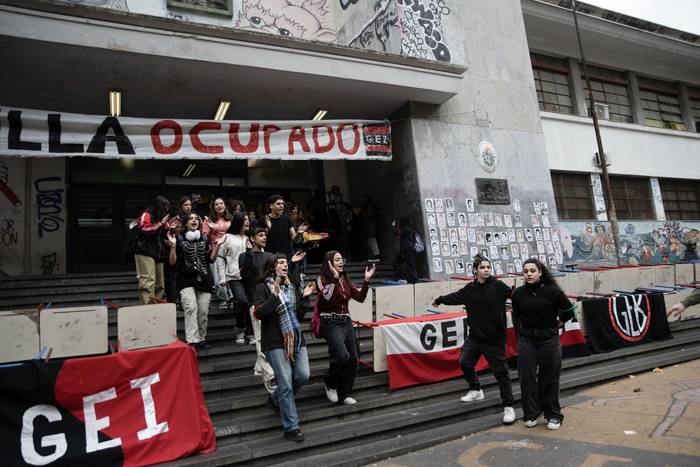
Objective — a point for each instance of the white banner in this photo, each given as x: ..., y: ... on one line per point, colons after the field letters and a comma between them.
x: 26, y: 132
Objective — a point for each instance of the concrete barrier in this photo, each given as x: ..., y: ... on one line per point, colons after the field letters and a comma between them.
x: 143, y: 326
x: 664, y: 275
x: 626, y: 279
x: 577, y: 283
x: 685, y: 273
x: 394, y: 299
x: 74, y: 331
x: 363, y: 312
x: 19, y: 335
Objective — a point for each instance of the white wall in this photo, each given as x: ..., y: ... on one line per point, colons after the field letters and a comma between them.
x: 633, y: 149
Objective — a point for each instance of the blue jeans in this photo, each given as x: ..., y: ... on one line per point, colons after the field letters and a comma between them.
x: 290, y: 377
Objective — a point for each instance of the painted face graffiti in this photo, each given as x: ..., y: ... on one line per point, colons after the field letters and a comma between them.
x: 310, y: 20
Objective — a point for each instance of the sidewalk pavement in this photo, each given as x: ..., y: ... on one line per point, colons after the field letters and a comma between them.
x: 648, y: 419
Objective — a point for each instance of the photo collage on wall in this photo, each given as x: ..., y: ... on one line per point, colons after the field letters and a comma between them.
x: 458, y: 232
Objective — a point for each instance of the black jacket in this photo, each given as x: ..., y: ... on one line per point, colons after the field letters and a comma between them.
x: 252, y: 266
x: 486, y: 308
x: 266, y: 311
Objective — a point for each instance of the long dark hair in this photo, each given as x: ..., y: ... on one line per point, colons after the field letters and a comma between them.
x: 237, y: 222
x: 270, y: 266
x: 159, y: 207
x: 326, y: 269
x: 213, y: 215
x: 546, y: 276
x: 182, y: 201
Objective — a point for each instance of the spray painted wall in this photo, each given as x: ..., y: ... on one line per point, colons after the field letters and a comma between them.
x: 413, y: 28
x: 640, y: 242
x: 32, y: 216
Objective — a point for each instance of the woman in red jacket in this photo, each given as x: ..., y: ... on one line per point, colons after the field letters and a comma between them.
x: 334, y: 292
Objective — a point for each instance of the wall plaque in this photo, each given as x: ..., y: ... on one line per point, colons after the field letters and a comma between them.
x: 492, y: 190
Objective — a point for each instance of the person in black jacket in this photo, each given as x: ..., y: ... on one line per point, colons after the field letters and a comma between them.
x: 540, y: 308
x: 485, y: 301
x: 405, y: 261
x: 278, y: 305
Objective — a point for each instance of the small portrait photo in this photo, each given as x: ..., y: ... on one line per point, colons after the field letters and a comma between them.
x: 497, y: 239
x: 473, y: 251
x: 480, y: 240
x: 449, y: 205
x: 439, y: 206
x: 488, y: 237
x: 485, y: 253
x: 431, y: 219
x: 547, y: 236
x: 553, y: 263
x: 441, y: 222
x: 443, y: 235
x: 435, y: 248
x: 429, y: 205
x: 472, y: 219
x: 511, y: 235
x: 536, y: 206
x: 462, y: 219
x: 517, y: 221
x: 459, y: 266
x: 538, y: 234
x: 463, y: 249
x: 453, y: 235
x: 508, y: 220
x: 493, y: 250
x: 504, y: 252
x: 518, y: 265
x: 471, y: 235
x: 488, y: 217
x: 470, y: 205
x: 437, y: 265
x: 499, y: 268
x: 445, y: 248
x: 462, y: 233
x: 498, y: 220
x: 449, y: 266
x: 528, y: 235
x: 535, y: 220
x: 514, y: 252
x: 454, y: 249
x: 519, y: 235
x: 516, y: 205
x: 433, y: 233
x: 480, y: 220
x: 451, y: 218
x: 524, y: 250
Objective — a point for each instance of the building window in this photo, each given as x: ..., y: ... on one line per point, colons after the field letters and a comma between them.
x: 573, y: 195
x: 694, y: 95
x: 661, y: 105
x: 681, y: 199
x: 552, y: 84
x: 632, y: 198
x: 610, y: 87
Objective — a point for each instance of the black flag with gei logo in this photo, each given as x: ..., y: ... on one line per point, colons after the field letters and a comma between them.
x: 624, y: 320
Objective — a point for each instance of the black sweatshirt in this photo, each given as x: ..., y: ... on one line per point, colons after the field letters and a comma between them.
x: 486, y: 308
x: 540, y: 306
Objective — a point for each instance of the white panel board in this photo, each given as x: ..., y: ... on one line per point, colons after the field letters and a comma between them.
x: 426, y: 292
x: 685, y: 273
x: 394, y: 299
x: 143, y: 326
x: 664, y: 275
x: 379, y: 358
x: 74, y: 331
x: 19, y: 335
x: 362, y: 312
x: 576, y: 283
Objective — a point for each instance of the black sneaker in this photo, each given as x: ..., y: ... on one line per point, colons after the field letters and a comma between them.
x: 271, y: 405
x: 294, y: 435
x: 204, y: 345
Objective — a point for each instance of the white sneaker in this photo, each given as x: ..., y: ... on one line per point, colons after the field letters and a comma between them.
x: 508, y: 415
x: 250, y: 340
x: 473, y: 395
x: 349, y: 401
x: 331, y: 394
x: 553, y: 424
x: 530, y: 423
x: 240, y: 338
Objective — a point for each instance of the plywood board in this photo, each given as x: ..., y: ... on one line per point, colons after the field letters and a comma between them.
x: 379, y: 357
x: 426, y: 292
x: 74, y: 331
x: 664, y: 275
x: 577, y: 283
x: 19, y: 335
x: 363, y: 312
x: 394, y: 299
x: 143, y: 326
x: 685, y: 273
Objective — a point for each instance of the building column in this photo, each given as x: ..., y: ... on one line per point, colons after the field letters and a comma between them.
x: 578, y: 95
x: 659, y: 213
x: 635, y: 98
x: 601, y: 212
x: 686, y: 112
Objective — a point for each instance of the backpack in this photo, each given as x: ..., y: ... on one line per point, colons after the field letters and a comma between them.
x: 132, y: 241
x: 418, y: 245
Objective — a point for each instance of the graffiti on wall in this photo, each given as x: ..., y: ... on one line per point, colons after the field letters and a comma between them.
x: 640, y: 242
x: 49, y: 263
x: 5, y: 187
x: 421, y: 29
x: 382, y: 31
x: 9, y: 236
x: 49, y: 204
x: 345, y: 4
x: 299, y: 19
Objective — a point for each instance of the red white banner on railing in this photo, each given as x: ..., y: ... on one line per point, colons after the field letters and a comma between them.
x: 132, y: 408
x: 427, y: 349
x: 26, y: 132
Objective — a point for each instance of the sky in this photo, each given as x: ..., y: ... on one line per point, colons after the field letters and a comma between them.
x: 678, y: 14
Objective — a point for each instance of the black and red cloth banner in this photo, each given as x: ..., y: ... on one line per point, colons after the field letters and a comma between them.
x: 132, y: 408
x: 623, y: 320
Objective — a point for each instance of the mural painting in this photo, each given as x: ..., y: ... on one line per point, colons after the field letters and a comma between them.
x: 300, y: 19
x: 640, y: 242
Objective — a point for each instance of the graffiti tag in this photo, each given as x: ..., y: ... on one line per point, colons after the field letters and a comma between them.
x: 8, y: 233
x: 49, y: 205
x: 5, y: 188
x: 345, y: 4
x: 49, y: 263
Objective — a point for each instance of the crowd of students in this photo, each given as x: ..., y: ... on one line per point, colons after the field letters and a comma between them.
x: 251, y: 266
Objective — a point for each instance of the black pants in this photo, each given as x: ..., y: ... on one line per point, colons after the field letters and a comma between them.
x: 342, y: 350
x: 495, y: 355
x: 239, y: 302
x: 171, y: 292
x: 539, y: 367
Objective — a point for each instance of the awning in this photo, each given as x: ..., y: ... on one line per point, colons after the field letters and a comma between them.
x: 27, y: 133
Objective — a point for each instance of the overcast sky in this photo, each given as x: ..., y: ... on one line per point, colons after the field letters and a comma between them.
x: 678, y: 14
